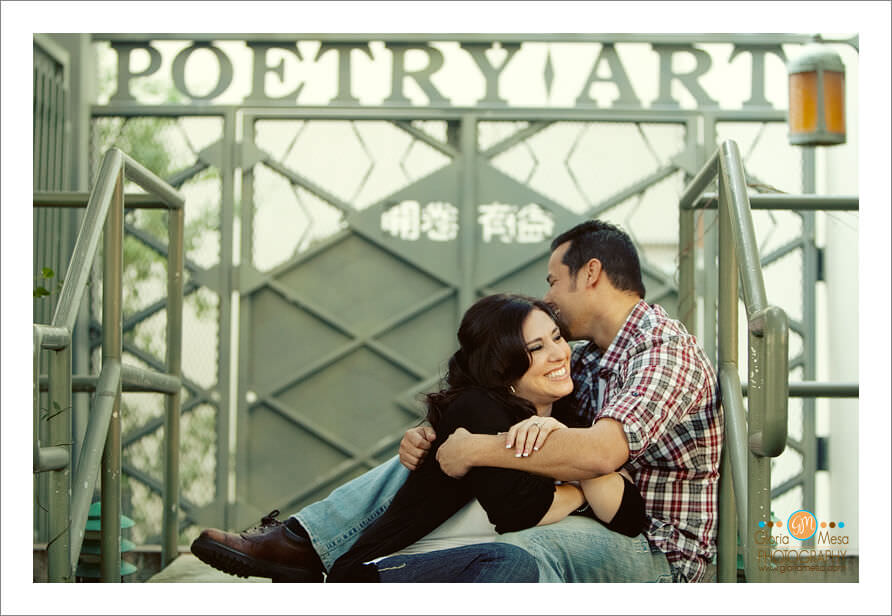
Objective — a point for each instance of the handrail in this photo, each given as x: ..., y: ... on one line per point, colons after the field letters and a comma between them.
x: 753, y: 437
x: 150, y: 182
x: 55, y: 459
x: 736, y: 429
x: 133, y: 379
x: 783, y: 201
x: 87, y: 243
x: 97, y: 210
x: 747, y: 249
x: 769, y: 336
x: 105, y: 404
x: 819, y: 389
x: 78, y: 200
x: 102, y: 443
x: 45, y: 337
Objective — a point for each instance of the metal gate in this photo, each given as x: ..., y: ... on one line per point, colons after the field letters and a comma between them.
x: 346, y: 242
x: 337, y: 337
x: 49, y: 257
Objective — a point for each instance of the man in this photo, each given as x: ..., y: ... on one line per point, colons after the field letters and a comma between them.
x: 645, y: 393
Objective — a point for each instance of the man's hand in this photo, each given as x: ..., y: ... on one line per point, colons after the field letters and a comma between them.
x: 415, y: 446
x: 453, y: 456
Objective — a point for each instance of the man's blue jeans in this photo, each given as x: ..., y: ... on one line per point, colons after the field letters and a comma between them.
x: 483, y: 562
x: 576, y: 549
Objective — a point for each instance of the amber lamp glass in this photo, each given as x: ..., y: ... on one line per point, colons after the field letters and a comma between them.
x: 817, y: 97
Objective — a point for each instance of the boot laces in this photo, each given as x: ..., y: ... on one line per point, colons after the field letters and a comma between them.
x: 267, y: 521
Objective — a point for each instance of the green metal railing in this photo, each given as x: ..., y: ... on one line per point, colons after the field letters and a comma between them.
x: 809, y: 390
x: 70, y: 498
x: 751, y: 438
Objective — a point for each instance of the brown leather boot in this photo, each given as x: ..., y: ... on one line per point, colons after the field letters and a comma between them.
x: 269, y: 550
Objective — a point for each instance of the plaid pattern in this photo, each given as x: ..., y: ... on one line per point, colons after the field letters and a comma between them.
x: 662, y: 389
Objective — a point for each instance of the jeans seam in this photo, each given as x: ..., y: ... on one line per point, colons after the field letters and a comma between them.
x: 332, y: 546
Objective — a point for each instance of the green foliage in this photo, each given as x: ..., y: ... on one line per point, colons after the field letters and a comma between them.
x: 149, y: 140
x: 143, y: 139
x: 46, y: 274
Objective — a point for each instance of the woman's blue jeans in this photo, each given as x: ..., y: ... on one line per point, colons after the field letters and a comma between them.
x: 576, y: 549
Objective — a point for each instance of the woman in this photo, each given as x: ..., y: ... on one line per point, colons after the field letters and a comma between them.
x: 512, y: 364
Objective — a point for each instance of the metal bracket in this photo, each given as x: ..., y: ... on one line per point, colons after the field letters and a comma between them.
x: 689, y: 159
x: 247, y: 155
x: 822, y: 453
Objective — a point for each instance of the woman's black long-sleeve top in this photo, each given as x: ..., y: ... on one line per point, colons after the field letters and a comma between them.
x: 513, y: 500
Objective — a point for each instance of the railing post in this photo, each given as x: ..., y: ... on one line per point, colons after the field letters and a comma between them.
x: 112, y: 326
x: 102, y: 438
x: 687, y: 300
x: 170, y: 517
x: 468, y: 210
x: 751, y: 437
x: 35, y: 391
x: 59, y: 430
x: 727, y: 349
x: 727, y: 542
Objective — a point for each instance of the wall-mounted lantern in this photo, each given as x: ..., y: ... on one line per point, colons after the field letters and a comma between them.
x: 817, y: 97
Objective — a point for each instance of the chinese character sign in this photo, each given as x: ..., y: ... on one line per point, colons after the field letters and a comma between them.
x: 498, y: 221
x: 534, y: 224
x: 510, y: 224
x: 402, y: 221
x: 438, y: 221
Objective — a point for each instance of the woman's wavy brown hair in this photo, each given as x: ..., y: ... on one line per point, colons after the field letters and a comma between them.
x: 492, y: 353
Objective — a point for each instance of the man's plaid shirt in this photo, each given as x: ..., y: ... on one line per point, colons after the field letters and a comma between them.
x: 662, y: 389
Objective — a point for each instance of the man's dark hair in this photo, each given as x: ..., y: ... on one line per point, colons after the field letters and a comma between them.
x: 596, y: 239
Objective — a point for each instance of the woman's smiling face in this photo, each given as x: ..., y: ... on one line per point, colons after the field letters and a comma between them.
x: 548, y: 377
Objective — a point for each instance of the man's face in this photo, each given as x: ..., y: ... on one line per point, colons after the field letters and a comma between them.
x: 564, y: 291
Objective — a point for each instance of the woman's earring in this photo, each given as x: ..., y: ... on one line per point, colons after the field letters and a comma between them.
x: 511, y: 387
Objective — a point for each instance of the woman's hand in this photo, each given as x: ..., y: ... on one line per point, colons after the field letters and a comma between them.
x: 529, y: 435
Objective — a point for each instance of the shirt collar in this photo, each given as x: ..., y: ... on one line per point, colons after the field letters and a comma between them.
x: 609, y: 361
x: 588, y: 354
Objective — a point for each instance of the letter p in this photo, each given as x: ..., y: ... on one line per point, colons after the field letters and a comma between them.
x: 122, y: 94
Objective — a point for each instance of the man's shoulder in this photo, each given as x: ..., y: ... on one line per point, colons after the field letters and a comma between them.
x: 656, y: 321
x: 665, y: 341
x: 657, y: 328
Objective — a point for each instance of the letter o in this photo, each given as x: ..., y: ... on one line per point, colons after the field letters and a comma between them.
x: 179, y: 71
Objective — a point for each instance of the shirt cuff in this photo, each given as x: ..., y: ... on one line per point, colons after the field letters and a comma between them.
x: 633, y: 430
